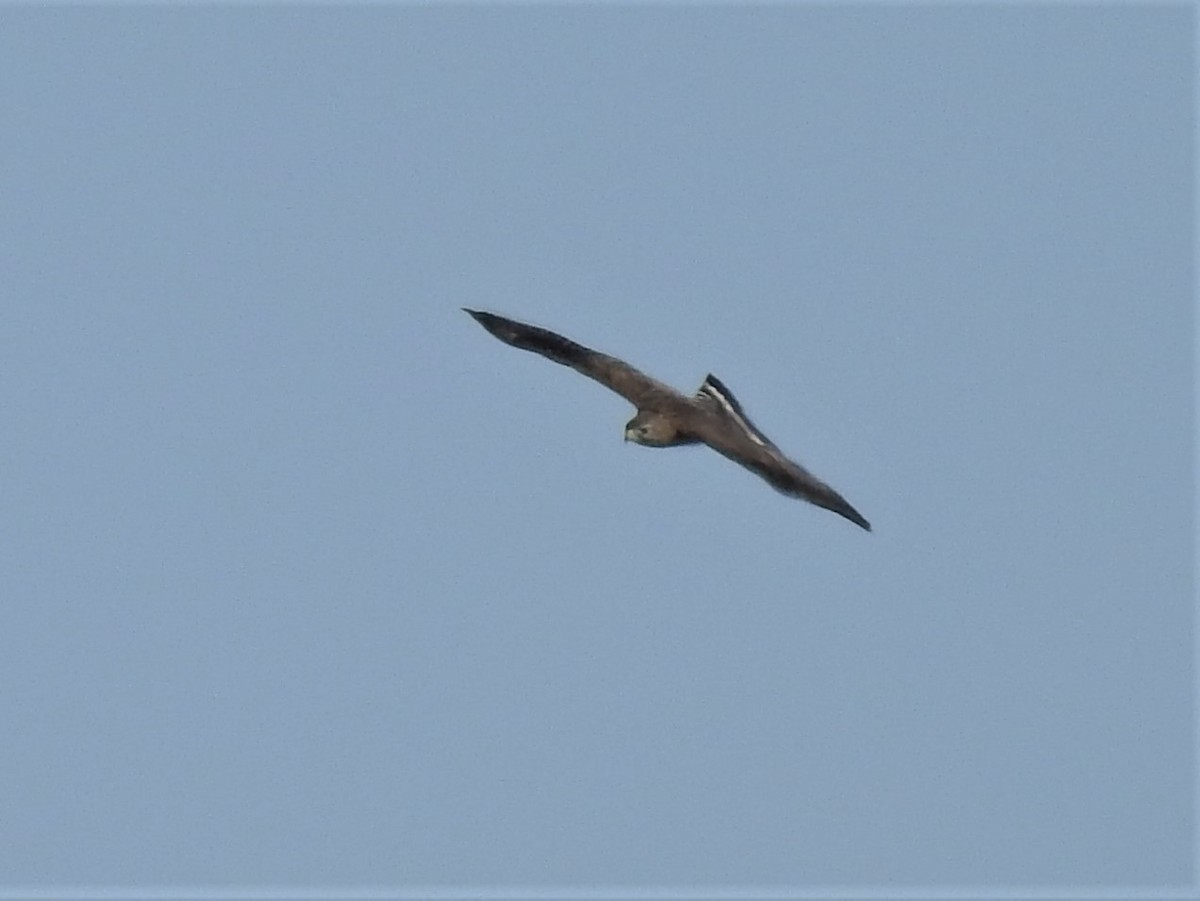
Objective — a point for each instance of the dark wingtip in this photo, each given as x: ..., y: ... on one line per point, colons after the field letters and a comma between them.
x: 489, y: 321
x: 842, y: 508
x: 855, y: 517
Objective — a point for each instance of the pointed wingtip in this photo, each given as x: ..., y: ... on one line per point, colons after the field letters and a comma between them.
x: 858, y: 520
x: 484, y: 319
x: 843, y: 509
x: 505, y: 329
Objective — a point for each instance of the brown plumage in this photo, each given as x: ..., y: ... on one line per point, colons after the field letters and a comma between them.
x: 666, y: 418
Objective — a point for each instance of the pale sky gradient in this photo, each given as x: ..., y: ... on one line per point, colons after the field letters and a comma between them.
x: 309, y: 581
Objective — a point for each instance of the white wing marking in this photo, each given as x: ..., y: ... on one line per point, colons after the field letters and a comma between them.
x: 712, y: 388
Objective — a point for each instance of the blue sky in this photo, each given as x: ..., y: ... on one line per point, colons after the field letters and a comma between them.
x: 311, y: 582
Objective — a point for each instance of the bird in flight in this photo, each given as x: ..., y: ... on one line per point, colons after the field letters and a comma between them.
x: 667, y: 418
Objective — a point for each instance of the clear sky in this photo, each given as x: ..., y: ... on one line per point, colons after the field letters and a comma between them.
x: 309, y: 581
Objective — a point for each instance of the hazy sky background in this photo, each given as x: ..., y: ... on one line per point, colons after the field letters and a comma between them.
x: 310, y: 581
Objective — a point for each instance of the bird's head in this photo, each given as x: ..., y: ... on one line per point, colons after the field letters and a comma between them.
x: 652, y: 430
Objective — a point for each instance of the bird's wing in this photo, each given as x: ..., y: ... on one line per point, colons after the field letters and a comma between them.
x: 633, y: 385
x: 714, y: 395
x: 729, y: 437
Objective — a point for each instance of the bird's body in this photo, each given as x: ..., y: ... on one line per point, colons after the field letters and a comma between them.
x: 667, y: 418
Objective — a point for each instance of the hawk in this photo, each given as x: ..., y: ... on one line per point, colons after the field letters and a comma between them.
x: 667, y: 418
